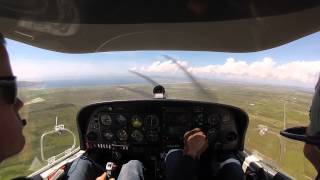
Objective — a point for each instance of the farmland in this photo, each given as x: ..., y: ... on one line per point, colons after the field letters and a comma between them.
x: 266, y: 106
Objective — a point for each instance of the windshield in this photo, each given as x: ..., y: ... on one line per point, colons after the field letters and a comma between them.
x: 274, y: 87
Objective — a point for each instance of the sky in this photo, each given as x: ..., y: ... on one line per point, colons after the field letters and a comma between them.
x: 296, y: 63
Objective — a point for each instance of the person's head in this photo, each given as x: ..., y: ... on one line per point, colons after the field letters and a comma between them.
x: 11, y: 137
x: 312, y: 152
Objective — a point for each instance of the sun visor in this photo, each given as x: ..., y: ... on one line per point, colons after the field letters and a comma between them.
x: 196, y: 25
x: 299, y: 134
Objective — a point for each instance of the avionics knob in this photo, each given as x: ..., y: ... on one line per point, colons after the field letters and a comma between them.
x: 92, y: 136
x: 122, y: 135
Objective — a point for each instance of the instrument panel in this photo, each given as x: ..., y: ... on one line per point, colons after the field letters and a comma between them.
x: 148, y: 126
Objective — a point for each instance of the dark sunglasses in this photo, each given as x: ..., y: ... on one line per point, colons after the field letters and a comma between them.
x: 8, y: 89
x: 8, y: 92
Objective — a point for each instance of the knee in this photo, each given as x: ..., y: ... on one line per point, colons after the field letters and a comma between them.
x: 307, y: 151
x: 134, y: 163
x: 231, y: 169
x: 173, y: 153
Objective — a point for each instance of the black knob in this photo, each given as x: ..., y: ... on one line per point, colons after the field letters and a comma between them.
x: 92, y: 136
x: 231, y: 136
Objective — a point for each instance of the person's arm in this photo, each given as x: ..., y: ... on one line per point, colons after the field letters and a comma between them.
x: 187, y: 169
x: 195, y: 143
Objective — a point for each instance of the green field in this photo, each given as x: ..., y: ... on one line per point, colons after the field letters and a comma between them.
x: 264, y: 104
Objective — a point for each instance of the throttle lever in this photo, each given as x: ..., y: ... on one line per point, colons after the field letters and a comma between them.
x: 110, y: 168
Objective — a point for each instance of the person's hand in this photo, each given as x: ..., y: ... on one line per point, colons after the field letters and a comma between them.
x: 195, y: 143
x: 104, y: 177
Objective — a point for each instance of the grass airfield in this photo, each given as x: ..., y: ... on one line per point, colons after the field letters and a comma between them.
x: 264, y: 104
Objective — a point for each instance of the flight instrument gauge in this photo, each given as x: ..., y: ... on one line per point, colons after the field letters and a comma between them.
x: 105, y: 119
x: 151, y: 122
x: 136, y: 121
x: 214, y: 120
x: 122, y: 135
x: 108, y: 135
x: 121, y: 119
x: 137, y: 136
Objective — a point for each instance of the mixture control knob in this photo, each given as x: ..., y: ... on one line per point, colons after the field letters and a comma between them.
x: 122, y: 135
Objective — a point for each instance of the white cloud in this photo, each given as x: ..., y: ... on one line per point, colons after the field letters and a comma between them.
x: 264, y: 70
x: 305, y: 72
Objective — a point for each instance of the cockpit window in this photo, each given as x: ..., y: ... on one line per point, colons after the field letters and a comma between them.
x: 274, y: 87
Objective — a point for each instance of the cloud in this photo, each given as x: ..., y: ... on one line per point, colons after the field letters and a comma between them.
x: 267, y: 69
x: 263, y: 70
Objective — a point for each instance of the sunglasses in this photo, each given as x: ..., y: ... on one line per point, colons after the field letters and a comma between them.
x: 8, y: 89
x: 8, y: 92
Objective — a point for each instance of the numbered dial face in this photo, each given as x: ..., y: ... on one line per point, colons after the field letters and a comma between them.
x: 137, y: 136
x: 136, y: 121
x: 214, y: 120
x: 122, y: 135
x: 151, y: 122
x: 105, y: 119
x: 121, y: 119
x: 108, y: 135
